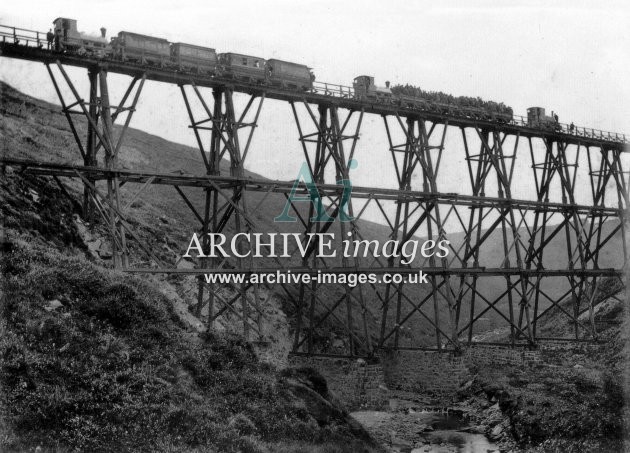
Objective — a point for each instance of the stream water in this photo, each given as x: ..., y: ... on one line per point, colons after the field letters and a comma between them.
x: 456, y: 441
x: 426, y: 432
x: 447, y: 436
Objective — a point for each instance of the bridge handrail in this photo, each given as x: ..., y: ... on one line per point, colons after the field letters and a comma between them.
x: 333, y: 89
x: 19, y: 35
x: 39, y: 39
x: 578, y: 131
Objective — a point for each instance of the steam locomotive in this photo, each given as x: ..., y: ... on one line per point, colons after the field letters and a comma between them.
x: 68, y: 39
x: 149, y: 50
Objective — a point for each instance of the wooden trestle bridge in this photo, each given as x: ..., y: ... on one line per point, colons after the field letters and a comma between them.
x: 329, y: 121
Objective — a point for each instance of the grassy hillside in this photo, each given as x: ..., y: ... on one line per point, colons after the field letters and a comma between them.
x: 94, y: 360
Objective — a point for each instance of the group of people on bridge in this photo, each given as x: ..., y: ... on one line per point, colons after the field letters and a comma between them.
x: 438, y: 96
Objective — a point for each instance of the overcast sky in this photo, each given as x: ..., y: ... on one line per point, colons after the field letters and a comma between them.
x: 567, y: 56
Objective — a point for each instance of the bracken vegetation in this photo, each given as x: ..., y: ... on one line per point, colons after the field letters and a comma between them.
x: 558, y: 409
x: 107, y: 369
x: 92, y: 360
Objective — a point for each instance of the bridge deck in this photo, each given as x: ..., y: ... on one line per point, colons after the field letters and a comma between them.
x: 322, y: 93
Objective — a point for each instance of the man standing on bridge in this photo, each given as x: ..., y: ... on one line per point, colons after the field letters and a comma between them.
x: 50, y: 37
x: 58, y: 40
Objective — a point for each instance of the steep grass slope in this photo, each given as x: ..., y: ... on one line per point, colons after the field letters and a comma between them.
x: 94, y: 360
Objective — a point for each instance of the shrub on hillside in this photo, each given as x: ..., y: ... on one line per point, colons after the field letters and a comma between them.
x: 109, y: 370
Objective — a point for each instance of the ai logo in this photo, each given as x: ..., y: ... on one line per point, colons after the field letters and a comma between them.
x: 314, y: 197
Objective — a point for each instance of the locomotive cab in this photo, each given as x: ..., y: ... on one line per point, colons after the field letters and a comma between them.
x: 364, y: 86
x: 66, y: 28
x: 535, y: 115
x: 536, y: 118
x: 361, y: 84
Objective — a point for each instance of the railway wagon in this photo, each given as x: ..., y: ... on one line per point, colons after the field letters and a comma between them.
x: 141, y: 48
x: 242, y: 67
x: 289, y: 75
x: 489, y: 113
x: 413, y: 102
x: 189, y: 57
x: 503, y: 116
x: 461, y: 109
x: 69, y: 38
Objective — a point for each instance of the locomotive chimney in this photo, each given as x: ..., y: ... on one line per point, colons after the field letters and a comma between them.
x: 387, y: 84
x: 103, y: 32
